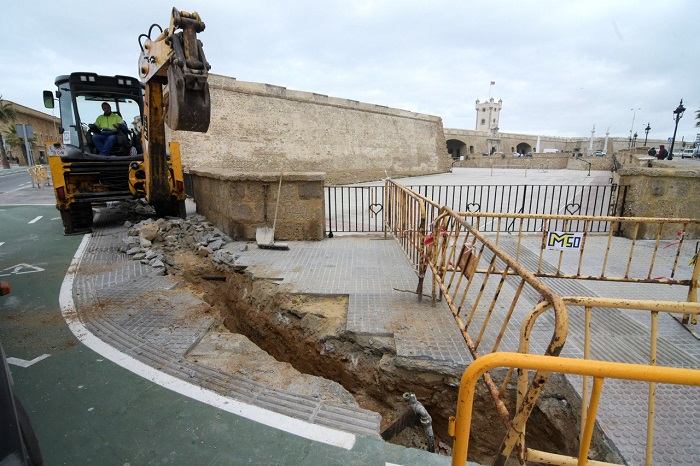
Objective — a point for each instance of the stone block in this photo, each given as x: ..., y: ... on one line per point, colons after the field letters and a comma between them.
x: 658, y: 187
x: 310, y: 191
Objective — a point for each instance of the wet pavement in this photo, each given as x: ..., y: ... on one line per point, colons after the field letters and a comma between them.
x: 151, y: 340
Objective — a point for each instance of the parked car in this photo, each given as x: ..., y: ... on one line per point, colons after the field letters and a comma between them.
x: 517, y: 154
x: 18, y: 445
x: 599, y: 153
x: 529, y: 154
x: 688, y: 153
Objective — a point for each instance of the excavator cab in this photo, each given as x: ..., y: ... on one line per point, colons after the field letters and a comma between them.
x: 80, y: 97
x: 82, y: 177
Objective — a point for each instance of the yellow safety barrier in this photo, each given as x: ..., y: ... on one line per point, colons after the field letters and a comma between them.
x: 578, y: 262
x: 495, y: 300
x: 450, y: 251
x: 406, y: 219
x: 516, y: 433
x: 487, y: 307
x: 460, y: 425
x: 40, y: 176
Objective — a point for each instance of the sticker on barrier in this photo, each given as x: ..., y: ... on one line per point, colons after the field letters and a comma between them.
x: 564, y: 240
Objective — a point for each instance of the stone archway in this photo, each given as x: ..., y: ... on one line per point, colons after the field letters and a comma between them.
x: 456, y: 148
x: 523, y: 148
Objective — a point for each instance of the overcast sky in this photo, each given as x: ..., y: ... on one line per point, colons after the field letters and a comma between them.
x: 559, y: 66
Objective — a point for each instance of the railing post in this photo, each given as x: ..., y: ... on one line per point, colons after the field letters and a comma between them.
x: 693, y: 290
x: 422, y: 261
x: 385, y: 202
x: 422, y: 256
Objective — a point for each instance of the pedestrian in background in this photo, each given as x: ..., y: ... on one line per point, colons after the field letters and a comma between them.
x: 663, y: 153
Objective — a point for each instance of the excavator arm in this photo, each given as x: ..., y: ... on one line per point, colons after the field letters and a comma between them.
x: 174, y: 70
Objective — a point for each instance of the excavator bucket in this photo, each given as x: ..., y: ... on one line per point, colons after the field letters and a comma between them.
x: 188, y: 102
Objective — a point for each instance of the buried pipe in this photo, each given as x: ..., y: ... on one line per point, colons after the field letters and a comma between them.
x: 425, y: 419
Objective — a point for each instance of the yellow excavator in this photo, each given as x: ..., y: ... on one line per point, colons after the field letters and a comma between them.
x: 130, y: 158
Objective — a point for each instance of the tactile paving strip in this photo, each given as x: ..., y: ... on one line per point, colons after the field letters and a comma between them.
x: 133, y: 308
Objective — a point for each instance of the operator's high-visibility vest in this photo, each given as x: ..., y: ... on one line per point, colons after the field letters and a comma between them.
x: 108, y: 122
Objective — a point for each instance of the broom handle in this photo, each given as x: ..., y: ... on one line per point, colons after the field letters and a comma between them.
x: 279, y: 191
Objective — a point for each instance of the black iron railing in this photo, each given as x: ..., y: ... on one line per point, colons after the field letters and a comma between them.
x: 361, y: 208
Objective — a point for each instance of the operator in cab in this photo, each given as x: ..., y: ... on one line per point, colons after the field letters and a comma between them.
x: 104, y: 131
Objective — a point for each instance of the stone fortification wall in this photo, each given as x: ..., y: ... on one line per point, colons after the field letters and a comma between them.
x: 661, y: 193
x: 478, y: 141
x: 548, y: 161
x: 594, y: 162
x: 259, y: 127
x: 633, y: 158
x: 235, y: 203
x: 538, y: 161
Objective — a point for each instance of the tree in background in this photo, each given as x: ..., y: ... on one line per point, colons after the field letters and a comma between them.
x: 7, y: 115
x: 15, y: 141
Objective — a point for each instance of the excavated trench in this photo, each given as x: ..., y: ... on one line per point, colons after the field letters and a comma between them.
x: 308, y: 333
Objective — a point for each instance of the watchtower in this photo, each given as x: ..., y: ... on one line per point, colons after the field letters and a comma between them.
x: 487, y: 114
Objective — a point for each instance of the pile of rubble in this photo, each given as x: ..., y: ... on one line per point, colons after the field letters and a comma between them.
x: 155, y: 242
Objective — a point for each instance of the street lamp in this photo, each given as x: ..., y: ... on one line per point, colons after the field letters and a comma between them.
x: 678, y: 114
x: 634, y: 114
x: 646, y: 135
x: 634, y: 143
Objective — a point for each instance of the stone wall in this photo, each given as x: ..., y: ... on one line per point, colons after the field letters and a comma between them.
x: 596, y: 163
x: 259, y: 127
x: 476, y: 142
x: 661, y: 193
x: 538, y: 162
x: 547, y: 161
x: 235, y: 203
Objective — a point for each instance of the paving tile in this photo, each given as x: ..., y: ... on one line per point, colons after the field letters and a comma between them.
x: 380, y: 284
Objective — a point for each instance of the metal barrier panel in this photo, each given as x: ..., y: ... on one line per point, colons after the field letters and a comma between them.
x: 568, y: 246
x: 460, y: 425
x: 490, y: 293
x: 361, y: 208
x: 40, y: 176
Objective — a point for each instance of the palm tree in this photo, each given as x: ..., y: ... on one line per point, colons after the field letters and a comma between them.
x: 15, y: 141
x: 697, y: 117
x: 7, y: 115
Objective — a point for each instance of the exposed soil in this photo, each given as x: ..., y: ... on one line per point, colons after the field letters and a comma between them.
x: 299, y: 343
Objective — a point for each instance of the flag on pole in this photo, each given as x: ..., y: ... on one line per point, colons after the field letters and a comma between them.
x: 493, y: 82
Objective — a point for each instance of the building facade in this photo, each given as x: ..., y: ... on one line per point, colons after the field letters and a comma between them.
x: 45, y: 127
x: 486, y: 139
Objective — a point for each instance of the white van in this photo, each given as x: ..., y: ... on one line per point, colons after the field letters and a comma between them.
x: 688, y: 153
x: 550, y: 151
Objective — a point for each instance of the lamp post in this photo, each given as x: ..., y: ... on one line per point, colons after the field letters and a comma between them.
x: 678, y: 114
x: 646, y: 135
x: 634, y: 114
x: 634, y: 142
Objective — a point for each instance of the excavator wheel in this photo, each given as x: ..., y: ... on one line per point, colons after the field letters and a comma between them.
x: 170, y: 209
x: 77, y: 219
